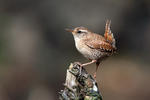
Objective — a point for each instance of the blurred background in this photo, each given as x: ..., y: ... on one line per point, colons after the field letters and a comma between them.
x: 35, y: 49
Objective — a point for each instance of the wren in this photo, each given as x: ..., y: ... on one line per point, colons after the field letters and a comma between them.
x: 94, y: 46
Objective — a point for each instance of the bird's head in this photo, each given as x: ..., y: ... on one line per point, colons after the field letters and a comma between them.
x: 79, y: 31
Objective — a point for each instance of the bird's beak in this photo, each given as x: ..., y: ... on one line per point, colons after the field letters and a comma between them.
x: 69, y: 30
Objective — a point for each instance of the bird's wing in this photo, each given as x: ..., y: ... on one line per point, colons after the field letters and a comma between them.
x: 103, y: 46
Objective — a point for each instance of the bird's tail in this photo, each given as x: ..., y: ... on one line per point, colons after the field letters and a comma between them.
x: 109, y: 35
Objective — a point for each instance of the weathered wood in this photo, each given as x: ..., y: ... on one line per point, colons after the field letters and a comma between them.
x: 79, y: 85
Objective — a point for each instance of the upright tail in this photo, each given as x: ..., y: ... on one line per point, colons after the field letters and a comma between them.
x: 109, y: 35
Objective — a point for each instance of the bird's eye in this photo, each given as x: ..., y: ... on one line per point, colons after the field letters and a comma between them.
x: 79, y: 32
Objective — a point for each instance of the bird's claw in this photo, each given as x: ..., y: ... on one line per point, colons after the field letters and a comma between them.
x: 80, y: 67
x: 79, y: 64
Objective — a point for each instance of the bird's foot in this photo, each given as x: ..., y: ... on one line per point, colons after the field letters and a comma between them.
x: 79, y: 64
x: 80, y: 67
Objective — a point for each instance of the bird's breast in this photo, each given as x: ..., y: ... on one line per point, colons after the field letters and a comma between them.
x: 86, y: 51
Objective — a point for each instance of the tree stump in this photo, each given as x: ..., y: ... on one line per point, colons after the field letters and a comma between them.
x: 79, y: 85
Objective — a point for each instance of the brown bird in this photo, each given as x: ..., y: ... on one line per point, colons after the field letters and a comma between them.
x: 94, y: 46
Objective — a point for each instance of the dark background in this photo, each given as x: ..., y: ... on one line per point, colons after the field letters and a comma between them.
x: 35, y: 49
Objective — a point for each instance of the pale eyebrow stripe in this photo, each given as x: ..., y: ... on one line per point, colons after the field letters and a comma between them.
x: 83, y: 30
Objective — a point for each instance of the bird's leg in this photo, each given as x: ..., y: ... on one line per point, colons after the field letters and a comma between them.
x: 85, y: 64
x: 97, y: 64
